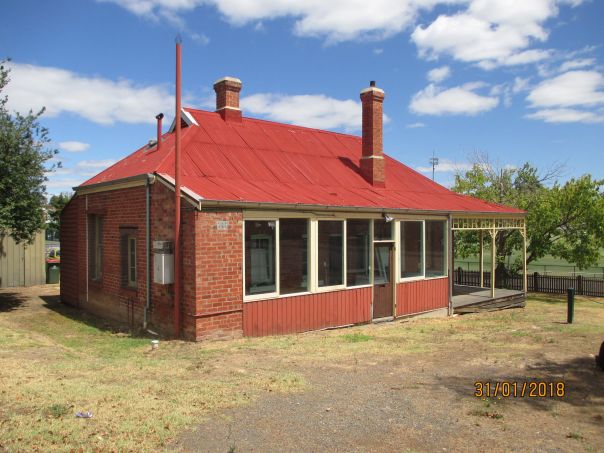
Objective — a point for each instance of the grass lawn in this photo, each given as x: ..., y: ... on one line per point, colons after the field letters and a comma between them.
x: 55, y: 361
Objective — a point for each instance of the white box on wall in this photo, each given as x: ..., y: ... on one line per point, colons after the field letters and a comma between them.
x: 163, y: 262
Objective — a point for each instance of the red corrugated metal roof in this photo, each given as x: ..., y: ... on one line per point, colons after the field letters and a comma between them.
x: 263, y: 161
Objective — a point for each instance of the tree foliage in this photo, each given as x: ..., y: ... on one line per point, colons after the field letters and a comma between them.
x: 563, y: 220
x: 24, y: 153
x: 55, y: 206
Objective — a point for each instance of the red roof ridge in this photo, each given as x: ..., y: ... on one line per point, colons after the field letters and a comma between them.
x: 281, y: 124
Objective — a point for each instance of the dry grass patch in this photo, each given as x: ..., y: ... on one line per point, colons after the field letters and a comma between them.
x: 55, y: 361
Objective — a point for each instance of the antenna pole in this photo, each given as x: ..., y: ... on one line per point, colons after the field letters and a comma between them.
x: 177, y: 267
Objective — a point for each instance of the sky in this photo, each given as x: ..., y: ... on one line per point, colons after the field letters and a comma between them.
x: 516, y: 80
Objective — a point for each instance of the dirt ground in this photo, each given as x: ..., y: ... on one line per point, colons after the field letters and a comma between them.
x: 420, y: 403
x: 400, y: 386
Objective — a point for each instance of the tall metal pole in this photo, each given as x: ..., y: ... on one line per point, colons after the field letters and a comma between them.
x: 177, y: 272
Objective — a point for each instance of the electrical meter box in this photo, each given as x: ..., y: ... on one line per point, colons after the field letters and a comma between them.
x: 163, y: 262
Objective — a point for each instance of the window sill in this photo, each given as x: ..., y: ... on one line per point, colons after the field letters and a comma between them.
x: 417, y: 279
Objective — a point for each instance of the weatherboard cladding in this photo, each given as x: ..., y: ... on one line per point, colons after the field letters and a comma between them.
x: 266, y: 162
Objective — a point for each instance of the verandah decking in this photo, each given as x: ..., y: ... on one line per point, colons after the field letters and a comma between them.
x: 474, y: 299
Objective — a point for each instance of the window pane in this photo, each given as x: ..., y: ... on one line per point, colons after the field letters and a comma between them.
x: 259, y: 257
x: 435, y: 248
x: 330, y: 253
x: 293, y: 255
x: 381, y: 264
x: 357, y: 252
x: 132, y: 261
x: 411, y: 249
x: 382, y: 230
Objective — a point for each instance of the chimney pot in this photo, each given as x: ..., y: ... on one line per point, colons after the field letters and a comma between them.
x: 373, y: 167
x: 227, y: 98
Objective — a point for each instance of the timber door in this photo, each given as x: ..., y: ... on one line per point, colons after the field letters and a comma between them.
x: 383, y: 286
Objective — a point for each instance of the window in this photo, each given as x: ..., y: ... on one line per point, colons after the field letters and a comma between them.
x: 331, y: 253
x: 412, y: 249
x: 260, y: 256
x: 357, y: 252
x: 293, y: 256
x: 95, y: 247
x: 128, y: 257
x: 382, y: 230
x: 435, y: 248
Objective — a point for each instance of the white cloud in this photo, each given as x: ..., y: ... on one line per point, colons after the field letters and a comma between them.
x: 439, y: 74
x: 336, y: 20
x: 73, y: 146
x: 520, y: 84
x: 308, y: 110
x: 577, y: 64
x: 415, y: 125
x: 378, y: 51
x: 573, y: 88
x: 446, y: 166
x: 566, y: 115
x: 489, y: 33
x: 100, y: 164
x: 461, y: 100
x: 572, y: 97
x: 97, y: 99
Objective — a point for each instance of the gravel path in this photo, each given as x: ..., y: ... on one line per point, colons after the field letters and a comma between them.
x: 401, y: 404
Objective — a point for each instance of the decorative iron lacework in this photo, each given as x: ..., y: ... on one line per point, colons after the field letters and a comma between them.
x: 473, y: 223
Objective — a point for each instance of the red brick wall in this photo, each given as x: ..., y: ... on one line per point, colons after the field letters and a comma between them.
x: 219, y: 277
x: 212, y: 260
x: 70, y: 264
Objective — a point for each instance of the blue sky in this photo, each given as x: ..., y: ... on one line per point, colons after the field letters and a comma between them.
x: 516, y: 79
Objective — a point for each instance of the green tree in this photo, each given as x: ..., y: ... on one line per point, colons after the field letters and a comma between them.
x: 24, y: 154
x: 563, y: 220
x: 55, y: 206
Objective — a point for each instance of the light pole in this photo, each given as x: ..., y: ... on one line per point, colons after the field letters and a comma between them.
x: 434, y: 162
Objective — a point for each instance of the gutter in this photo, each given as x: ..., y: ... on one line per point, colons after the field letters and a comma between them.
x: 149, y: 180
x: 310, y: 207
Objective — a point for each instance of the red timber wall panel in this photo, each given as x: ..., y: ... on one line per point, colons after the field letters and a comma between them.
x: 421, y: 295
x: 307, y: 312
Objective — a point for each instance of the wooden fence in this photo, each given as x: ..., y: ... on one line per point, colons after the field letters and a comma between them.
x: 536, y: 283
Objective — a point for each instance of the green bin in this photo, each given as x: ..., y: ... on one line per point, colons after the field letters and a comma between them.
x: 53, y: 272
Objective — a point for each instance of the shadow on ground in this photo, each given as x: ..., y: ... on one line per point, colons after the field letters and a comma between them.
x: 53, y: 302
x: 11, y: 301
x: 584, y: 384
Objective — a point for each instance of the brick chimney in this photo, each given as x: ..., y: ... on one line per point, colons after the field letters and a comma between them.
x: 227, y: 98
x: 372, y: 161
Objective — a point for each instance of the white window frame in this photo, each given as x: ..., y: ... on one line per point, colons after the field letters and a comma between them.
x: 398, y: 260
x: 322, y: 289
x: 369, y: 254
x: 446, y: 254
x: 309, y: 241
x: 274, y: 294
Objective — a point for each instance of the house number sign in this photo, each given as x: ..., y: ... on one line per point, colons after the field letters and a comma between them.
x: 222, y: 224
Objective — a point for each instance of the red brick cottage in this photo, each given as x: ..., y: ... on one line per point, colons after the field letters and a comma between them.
x: 284, y: 229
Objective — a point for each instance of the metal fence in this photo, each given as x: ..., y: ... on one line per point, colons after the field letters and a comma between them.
x: 553, y: 284
x: 543, y: 269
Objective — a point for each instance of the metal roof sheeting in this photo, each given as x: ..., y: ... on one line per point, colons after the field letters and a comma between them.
x: 265, y: 162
